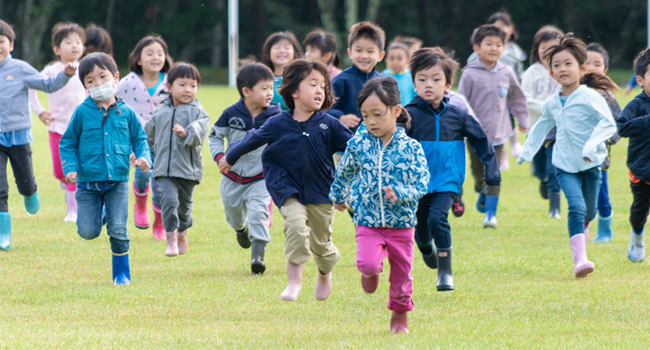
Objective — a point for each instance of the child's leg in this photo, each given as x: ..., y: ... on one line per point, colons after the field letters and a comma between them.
x: 478, y: 169
x: 21, y: 163
x: 590, y: 189
x: 492, y: 196
x: 141, y: 191
x: 371, y: 250
x: 296, y: 231
x: 169, y: 203
x: 185, y: 193
x: 539, y: 164
x: 320, y: 219
x: 4, y: 186
x: 234, y: 206
x: 423, y: 236
x: 117, y: 202
x: 640, y: 206
x: 604, y: 204
x: 438, y: 219
x: 89, y: 212
x: 257, y: 200
x: 399, y: 245
x: 57, y: 169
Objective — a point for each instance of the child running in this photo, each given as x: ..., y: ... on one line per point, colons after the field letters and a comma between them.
x: 243, y: 192
x: 67, y: 42
x: 441, y: 129
x: 176, y: 133
x: 144, y: 89
x: 390, y: 171
x: 397, y: 60
x: 95, y: 153
x: 598, y: 62
x: 279, y: 50
x: 493, y: 92
x: 299, y: 170
x: 17, y: 78
x: 538, y: 86
x: 321, y: 46
x: 583, y: 123
x: 633, y: 123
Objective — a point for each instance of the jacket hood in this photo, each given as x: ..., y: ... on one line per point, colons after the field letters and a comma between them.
x: 170, y: 102
x: 480, y: 66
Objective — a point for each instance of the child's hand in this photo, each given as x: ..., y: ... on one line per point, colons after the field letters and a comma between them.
x: 46, y: 117
x: 390, y: 193
x: 71, y: 68
x: 341, y: 207
x: 522, y: 130
x: 71, y: 178
x: 587, y: 160
x: 132, y: 159
x: 142, y: 164
x: 224, y: 167
x: 179, y: 131
x: 627, y: 90
x: 350, y: 120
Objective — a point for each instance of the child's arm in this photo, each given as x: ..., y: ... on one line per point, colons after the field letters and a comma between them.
x: 219, y: 131
x: 253, y: 140
x: 465, y: 87
x: 35, y: 80
x: 536, y: 135
x: 605, y: 128
x: 517, y: 102
x: 338, y: 89
x: 341, y: 137
x: 35, y: 105
x: 68, y: 149
x: 483, y: 149
x: 416, y: 186
x: 535, y: 105
x: 615, y: 109
x: 195, y: 132
x: 346, y: 170
x: 630, y: 123
x: 139, y: 144
x: 150, y: 130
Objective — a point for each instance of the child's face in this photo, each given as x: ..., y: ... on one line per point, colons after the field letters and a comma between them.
x: 644, y: 81
x: 505, y: 28
x: 183, y: 90
x: 596, y: 62
x: 365, y: 54
x: 282, y: 53
x: 566, y: 70
x: 70, y: 49
x: 489, y: 50
x: 543, y: 46
x: 152, y: 58
x: 314, y: 54
x: 431, y: 84
x: 396, y: 60
x: 260, y: 95
x: 6, y: 47
x: 379, y: 118
x: 99, y: 76
x: 311, y: 92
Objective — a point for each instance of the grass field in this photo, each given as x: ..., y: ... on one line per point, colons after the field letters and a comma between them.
x: 514, y: 285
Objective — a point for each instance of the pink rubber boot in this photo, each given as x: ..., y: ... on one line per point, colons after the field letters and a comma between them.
x: 172, y: 244
x: 182, y: 242
x: 71, y: 201
x: 399, y: 322
x: 140, y: 212
x: 294, y: 277
x: 581, y: 266
x: 158, y: 229
x: 323, y: 286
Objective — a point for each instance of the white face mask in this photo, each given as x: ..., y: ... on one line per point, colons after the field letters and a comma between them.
x: 102, y: 92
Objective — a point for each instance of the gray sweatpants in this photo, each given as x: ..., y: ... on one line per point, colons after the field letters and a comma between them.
x: 247, y: 205
x: 176, y: 202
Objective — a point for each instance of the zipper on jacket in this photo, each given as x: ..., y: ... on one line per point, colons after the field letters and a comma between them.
x: 192, y: 158
x: 382, y: 148
x: 171, y: 137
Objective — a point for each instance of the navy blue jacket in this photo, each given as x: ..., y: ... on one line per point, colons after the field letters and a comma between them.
x: 634, y: 122
x: 347, y: 86
x: 441, y: 135
x: 296, y: 162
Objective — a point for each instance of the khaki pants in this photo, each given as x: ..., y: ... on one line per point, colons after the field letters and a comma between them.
x: 309, y: 227
x: 478, y: 171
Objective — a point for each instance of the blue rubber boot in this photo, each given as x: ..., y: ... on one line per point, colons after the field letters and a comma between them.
x: 32, y: 204
x: 5, y: 230
x: 491, y: 203
x: 480, y: 203
x: 121, y: 269
x: 604, y: 229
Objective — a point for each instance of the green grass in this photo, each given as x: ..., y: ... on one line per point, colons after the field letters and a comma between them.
x: 514, y: 285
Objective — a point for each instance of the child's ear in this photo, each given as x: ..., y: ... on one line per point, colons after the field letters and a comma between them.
x: 117, y: 77
x: 328, y: 56
x: 397, y: 111
x: 349, y: 52
x: 639, y: 80
x: 447, y: 88
x: 57, y: 51
x: 246, y: 91
x: 11, y: 46
x: 583, y: 69
x: 605, y: 71
x: 475, y: 48
x: 381, y: 56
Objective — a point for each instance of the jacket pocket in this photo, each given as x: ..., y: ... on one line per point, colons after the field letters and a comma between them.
x: 90, y: 159
x: 91, y: 133
x: 503, y: 89
x: 122, y: 153
x: 121, y: 130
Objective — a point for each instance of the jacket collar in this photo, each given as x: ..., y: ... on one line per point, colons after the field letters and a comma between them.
x: 481, y: 66
x: 420, y: 102
x: 9, y: 58
x: 271, y: 110
x: 356, y: 71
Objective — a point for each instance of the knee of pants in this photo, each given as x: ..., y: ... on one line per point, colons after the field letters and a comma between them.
x: 369, y: 268
x: 577, y: 208
x: 437, y: 221
x: 89, y: 232
x: 119, y: 246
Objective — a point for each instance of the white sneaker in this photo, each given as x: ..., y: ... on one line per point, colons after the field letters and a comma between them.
x: 490, y: 221
x: 636, y: 253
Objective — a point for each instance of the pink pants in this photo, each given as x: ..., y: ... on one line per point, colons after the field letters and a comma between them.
x: 373, y: 245
x: 56, y: 161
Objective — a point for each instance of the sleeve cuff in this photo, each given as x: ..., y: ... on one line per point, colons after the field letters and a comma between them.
x: 218, y: 157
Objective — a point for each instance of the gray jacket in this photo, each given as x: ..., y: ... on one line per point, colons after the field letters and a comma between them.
x: 175, y: 156
x: 16, y: 78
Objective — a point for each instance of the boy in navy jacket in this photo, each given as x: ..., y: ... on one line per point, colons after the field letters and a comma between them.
x: 441, y: 129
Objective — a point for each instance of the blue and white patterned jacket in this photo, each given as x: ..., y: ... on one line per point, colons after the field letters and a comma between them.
x: 368, y: 166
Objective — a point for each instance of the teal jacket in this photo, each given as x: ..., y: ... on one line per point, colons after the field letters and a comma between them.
x: 98, y: 143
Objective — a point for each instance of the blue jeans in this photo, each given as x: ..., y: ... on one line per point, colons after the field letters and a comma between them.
x: 433, y: 223
x: 89, y: 214
x: 539, y: 164
x: 551, y: 179
x: 604, y: 205
x: 141, y: 181
x: 581, y: 191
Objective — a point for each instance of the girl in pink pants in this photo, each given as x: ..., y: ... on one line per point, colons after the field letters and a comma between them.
x: 387, y: 174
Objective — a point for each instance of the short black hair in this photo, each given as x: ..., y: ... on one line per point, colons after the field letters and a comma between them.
x: 323, y: 41
x: 7, y: 30
x: 97, y: 59
x: 573, y: 45
x: 251, y: 74
x: 295, y: 73
x: 369, y: 31
x: 183, y: 70
x: 63, y: 30
x: 641, y: 63
x: 504, y: 17
x: 487, y: 30
x: 135, y: 55
x: 98, y: 40
x: 596, y: 47
x: 431, y: 56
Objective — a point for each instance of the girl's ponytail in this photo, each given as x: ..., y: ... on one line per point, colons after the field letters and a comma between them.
x: 404, y: 119
x: 336, y: 60
x: 599, y: 82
